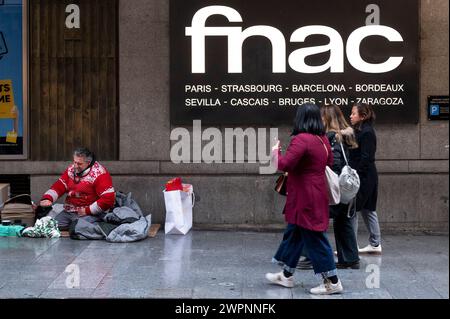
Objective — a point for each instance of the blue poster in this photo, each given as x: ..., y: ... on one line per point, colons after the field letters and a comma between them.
x: 11, y: 78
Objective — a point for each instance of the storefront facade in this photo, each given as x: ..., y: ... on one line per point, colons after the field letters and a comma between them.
x: 110, y: 83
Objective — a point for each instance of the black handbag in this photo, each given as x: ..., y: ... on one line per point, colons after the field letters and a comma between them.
x: 280, y: 184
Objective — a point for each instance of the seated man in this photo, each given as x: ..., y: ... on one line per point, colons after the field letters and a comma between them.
x: 89, y: 190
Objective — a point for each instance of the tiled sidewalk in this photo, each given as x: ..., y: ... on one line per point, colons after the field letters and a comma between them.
x: 209, y: 264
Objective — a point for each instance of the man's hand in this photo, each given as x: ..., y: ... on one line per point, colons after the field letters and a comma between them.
x: 45, y: 203
x: 81, y: 212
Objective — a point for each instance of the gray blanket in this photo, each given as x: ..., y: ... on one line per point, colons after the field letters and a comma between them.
x: 126, y: 223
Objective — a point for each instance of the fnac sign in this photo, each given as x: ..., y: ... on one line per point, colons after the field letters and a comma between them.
x: 236, y: 37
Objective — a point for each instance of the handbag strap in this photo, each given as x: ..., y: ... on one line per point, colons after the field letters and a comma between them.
x: 320, y: 139
x: 343, y: 153
x: 21, y: 195
x: 351, y: 205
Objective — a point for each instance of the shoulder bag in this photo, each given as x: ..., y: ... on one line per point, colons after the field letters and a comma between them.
x: 334, y: 193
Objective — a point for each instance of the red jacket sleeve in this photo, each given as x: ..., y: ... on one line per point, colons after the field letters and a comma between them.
x: 295, y: 151
x: 58, y: 189
x: 106, y: 193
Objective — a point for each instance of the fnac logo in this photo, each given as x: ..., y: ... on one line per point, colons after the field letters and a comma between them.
x: 236, y: 37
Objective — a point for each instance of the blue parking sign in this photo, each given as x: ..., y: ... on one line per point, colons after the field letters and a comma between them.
x: 434, y: 110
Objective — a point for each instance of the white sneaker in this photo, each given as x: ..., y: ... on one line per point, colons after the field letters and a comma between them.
x: 280, y: 279
x: 369, y: 249
x: 327, y: 288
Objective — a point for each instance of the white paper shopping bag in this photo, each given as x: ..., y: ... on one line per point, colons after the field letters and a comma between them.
x: 179, y: 206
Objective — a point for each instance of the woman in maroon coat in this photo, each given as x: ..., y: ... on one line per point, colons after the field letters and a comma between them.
x: 306, y: 209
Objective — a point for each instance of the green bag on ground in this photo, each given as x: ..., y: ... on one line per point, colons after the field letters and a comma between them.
x: 45, y: 227
x: 11, y: 231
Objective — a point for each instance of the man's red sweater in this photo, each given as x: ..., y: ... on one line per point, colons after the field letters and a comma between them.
x: 93, y: 191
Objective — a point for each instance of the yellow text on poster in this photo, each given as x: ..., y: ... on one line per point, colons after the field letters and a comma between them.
x: 7, y: 109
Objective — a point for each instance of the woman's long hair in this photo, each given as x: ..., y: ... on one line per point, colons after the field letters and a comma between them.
x: 334, y: 121
x: 308, y: 120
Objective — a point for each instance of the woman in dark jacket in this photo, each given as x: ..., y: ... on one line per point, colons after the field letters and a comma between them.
x: 363, y: 160
x: 306, y: 209
x: 341, y: 137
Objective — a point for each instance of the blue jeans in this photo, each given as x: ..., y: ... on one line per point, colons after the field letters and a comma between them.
x: 295, y: 239
x: 371, y: 220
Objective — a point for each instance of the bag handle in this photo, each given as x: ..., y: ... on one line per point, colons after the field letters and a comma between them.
x: 351, y: 205
x: 21, y: 195
x: 343, y: 153
x: 193, y: 199
x: 326, y: 150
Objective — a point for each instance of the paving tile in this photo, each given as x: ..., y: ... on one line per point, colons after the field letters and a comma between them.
x: 16, y: 288
x: 52, y: 259
x: 143, y: 281
x: 3, y: 282
x: 403, y: 285
x: 216, y: 292
x: 307, y: 295
x: 210, y: 264
x: 171, y: 293
x: 89, y: 277
x: 67, y: 293
x: 267, y: 293
x: 32, y: 272
x: 367, y: 294
x: 121, y: 293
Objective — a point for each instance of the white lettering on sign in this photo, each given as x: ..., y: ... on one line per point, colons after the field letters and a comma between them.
x: 236, y: 37
x: 354, y: 42
x: 336, y: 48
x: 73, y: 19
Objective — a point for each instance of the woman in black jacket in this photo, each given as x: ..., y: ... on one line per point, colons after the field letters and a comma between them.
x: 340, y: 133
x: 363, y: 160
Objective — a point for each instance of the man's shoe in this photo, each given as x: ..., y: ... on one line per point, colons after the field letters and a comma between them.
x: 280, y: 279
x: 369, y: 249
x: 354, y: 265
x: 327, y: 288
x: 304, y: 264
